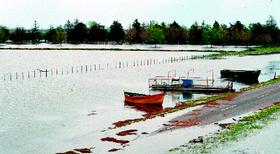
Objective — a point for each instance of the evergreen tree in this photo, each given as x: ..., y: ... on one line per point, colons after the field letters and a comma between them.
x: 4, y: 34
x: 35, y: 34
x: 97, y: 32
x: 116, y: 32
x: 19, y: 35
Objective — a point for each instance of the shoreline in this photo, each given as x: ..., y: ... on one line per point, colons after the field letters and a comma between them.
x: 193, y: 103
x: 184, y: 105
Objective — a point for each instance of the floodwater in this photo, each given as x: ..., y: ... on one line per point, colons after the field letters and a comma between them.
x: 66, y: 111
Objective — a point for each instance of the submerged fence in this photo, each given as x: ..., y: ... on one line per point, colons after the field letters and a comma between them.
x: 46, y: 73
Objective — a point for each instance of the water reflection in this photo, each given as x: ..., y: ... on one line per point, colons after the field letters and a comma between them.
x: 272, y: 67
x: 149, y: 109
x: 187, y: 96
x: 245, y: 82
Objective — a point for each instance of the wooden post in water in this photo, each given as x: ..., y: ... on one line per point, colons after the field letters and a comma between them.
x: 46, y: 73
x: 34, y: 74
x: 81, y: 68
x: 4, y: 77
x: 28, y: 75
x: 16, y: 75
x: 10, y: 76
x: 22, y: 75
x: 86, y: 68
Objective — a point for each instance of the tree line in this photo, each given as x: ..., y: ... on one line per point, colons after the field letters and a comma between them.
x: 77, y: 32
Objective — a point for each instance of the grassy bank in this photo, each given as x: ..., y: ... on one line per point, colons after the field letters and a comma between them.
x: 235, y: 132
x: 249, y: 52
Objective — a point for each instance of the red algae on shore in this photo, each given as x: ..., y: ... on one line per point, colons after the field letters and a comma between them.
x: 150, y: 115
x: 80, y: 150
x: 194, y: 112
x: 68, y: 152
x: 212, y: 104
x: 83, y: 150
x: 114, y: 150
x: 127, y: 132
x: 126, y: 122
x: 231, y: 97
x: 276, y: 103
x: 187, y: 123
x: 111, y: 139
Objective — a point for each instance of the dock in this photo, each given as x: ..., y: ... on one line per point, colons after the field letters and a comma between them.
x: 186, y: 84
x: 193, y: 89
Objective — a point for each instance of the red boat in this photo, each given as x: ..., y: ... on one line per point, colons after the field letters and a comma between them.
x: 143, y: 99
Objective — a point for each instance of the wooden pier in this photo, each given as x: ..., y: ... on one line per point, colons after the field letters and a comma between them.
x: 193, y: 89
x: 185, y: 84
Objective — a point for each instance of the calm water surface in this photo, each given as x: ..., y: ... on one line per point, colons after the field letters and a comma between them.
x: 68, y: 111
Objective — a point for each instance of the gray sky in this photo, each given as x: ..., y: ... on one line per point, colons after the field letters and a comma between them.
x: 56, y: 12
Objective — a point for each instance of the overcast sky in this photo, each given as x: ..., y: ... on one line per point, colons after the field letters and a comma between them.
x: 56, y: 12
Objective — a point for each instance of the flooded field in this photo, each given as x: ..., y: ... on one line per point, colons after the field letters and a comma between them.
x: 58, y: 113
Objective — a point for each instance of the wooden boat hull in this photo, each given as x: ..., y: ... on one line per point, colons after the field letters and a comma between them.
x: 241, y: 75
x: 156, y: 99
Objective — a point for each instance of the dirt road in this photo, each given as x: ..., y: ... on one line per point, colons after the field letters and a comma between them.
x: 216, y: 111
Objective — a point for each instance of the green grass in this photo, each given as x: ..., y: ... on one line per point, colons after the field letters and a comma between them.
x: 237, y: 131
x: 249, y: 52
x: 260, y: 51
